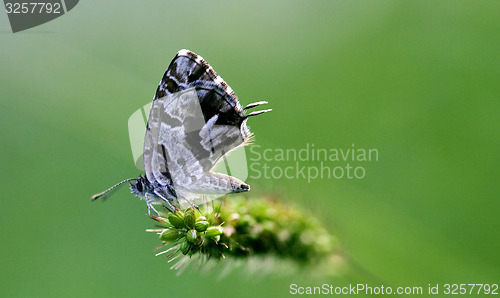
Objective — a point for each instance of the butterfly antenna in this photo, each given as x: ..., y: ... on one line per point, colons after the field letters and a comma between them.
x: 97, y: 196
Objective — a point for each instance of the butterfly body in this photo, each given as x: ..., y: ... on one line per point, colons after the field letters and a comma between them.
x: 195, y: 120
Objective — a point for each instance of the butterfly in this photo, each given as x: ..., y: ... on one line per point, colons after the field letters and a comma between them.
x: 194, y: 121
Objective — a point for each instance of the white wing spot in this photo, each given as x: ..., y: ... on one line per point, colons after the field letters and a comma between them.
x: 184, y: 52
x: 218, y: 80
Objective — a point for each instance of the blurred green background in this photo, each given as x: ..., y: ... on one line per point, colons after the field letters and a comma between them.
x: 418, y: 80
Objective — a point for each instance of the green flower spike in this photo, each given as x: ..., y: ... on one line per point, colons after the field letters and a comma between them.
x: 242, y: 228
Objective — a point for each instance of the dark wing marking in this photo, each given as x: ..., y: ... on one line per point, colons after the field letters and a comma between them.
x: 188, y: 70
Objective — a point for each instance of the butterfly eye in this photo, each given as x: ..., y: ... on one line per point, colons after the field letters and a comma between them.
x: 138, y: 185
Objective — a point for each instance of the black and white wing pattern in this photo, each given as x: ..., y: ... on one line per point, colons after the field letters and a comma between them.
x: 195, y: 119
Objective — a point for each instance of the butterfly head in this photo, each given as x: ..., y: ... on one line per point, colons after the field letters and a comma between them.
x: 139, y: 187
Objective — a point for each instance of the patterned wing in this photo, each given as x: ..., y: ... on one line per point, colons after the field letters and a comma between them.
x: 195, y: 119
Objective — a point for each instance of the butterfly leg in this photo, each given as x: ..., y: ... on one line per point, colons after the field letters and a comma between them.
x: 192, y: 204
x: 164, y: 200
x: 150, y: 206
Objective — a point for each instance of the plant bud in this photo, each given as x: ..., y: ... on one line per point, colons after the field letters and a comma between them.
x: 184, y: 247
x: 201, y: 218
x: 170, y: 235
x: 212, y: 232
x: 201, y: 226
x: 189, y: 219
x: 176, y: 220
x: 193, y: 237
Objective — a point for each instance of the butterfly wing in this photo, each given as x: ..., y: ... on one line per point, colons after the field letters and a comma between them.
x: 195, y: 119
